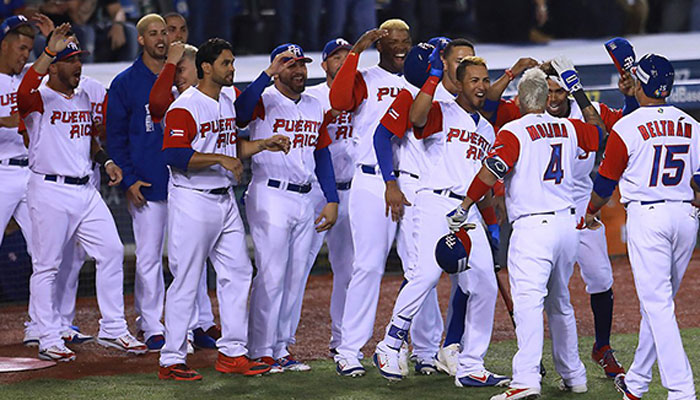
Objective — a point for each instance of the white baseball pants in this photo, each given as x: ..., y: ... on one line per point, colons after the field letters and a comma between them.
x: 58, y: 211
x: 340, y: 256
x: 661, y: 238
x: 282, y: 227
x: 479, y: 281
x: 540, y: 263
x: 426, y: 329
x: 202, y: 225
x: 13, y: 200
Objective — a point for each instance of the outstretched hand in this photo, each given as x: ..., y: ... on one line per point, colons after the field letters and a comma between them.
x: 60, y: 39
x: 367, y: 39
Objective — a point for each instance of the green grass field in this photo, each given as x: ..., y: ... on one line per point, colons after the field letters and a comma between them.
x: 323, y: 383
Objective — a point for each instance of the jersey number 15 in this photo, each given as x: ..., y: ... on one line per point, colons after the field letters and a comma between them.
x: 675, y: 165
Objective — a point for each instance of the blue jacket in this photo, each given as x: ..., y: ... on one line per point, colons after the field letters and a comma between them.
x: 134, y: 141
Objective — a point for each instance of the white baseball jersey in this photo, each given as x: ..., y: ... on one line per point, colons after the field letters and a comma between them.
x: 456, y: 143
x: 207, y: 126
x: 340, y: 130
x: 302, y: 122
x: 11, y: 144
x: 653, y: 152
x: 379, y: 87
x: 59, y: 129
x: 539, y: 151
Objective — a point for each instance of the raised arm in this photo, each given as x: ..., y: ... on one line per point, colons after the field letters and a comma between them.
x: 422, y: 103
x: 495, y: 91
x: 161, y: 96
x: 349, y: 88
x: 569, y: 76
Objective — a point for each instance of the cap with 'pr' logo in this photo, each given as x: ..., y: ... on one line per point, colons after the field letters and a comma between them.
x: 11, y: 23
x: 334, y: 45
x: 71, y: 49
x: 295, y: 49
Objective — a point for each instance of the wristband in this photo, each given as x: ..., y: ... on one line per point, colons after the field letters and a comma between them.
x: 509, y: 74
x: 430, y: 85
x: 581, y: 98
x: 49, y: 52
x: 591, y: 209
x: 489, y: 214
x: 477, y: 189
x: 101, y: 157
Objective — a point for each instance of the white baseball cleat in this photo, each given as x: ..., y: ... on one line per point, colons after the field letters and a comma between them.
x: 58, y: 353
x: 190, y: 347
x: 573, y: 388
x: 447, y: 359
x: 349, y: 367
x: 518, y: 394
x: 426, y: 366
x: 31, y: 339
x: 387, y: 362
x: 74, y: 336
x: 124, y: 342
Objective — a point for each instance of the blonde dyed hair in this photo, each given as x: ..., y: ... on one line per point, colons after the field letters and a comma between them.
x: 533, y: 90
x: 190, y: 52
x: 469, y: 61
x: 146, y: 20
x: 394, y: 23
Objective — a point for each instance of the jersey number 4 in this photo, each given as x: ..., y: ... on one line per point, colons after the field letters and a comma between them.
x: 675, y: 165
x: 554, y: 172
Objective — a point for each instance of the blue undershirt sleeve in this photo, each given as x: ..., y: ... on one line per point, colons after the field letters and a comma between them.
x: 385, y: 156
x: 603, y: 186
x: 178, y: 157
x: 326, y: 175
x: 248, y: 99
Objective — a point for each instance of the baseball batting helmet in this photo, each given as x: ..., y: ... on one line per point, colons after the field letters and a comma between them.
x: 416, y: 67
x: 622, y: 53
x: 655, y: 73
x: 452, y: 250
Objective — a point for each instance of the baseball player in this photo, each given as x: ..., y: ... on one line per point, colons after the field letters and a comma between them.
x: 338, y: 239
x: 533, y: 155
x: 178, y: 74
x: 653, y: 153
x: 447, y: 357
x: 280, y: 211
x: 592, y: 256
x: 17, y: 37
x: 61, y: 203
x: 203, y: 152
x: 368, y: 94
x: 135, y: 141
x: 176, y: 24
x: 456, y: 139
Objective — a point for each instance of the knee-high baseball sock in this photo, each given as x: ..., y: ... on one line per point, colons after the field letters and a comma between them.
x: 455, y: 325
x: 602, y: 306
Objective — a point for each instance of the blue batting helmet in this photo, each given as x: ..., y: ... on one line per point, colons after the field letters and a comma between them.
x: 452, y: 251
x: 655, y: 73
x: 621, y: 52
x: 416, y: 67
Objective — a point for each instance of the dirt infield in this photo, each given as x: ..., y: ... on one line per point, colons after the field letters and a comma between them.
x: 314, y: 330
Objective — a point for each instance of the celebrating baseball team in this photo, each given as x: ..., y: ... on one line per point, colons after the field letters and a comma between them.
x: 395, y: 153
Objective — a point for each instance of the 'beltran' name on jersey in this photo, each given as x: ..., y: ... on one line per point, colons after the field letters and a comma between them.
x: 662, y: 127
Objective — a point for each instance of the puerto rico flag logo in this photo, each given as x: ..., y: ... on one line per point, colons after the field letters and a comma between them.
x: 177, y: 133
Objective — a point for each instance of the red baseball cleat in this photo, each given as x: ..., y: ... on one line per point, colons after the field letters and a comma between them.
x: 179, y: 372
x: 240, y: 365
x: 605, y: 357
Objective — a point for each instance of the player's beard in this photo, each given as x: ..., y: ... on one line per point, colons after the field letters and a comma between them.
x: 70, y: 79
x: 294, y: 84
x: 226, y: 80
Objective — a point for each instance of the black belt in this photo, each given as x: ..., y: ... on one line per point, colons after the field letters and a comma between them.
x: 343, y: 185
x: 69, y: 180
x: 449, y: 194
x: 573, y: 212
x: 368, y: 169
x: 646, y: 203
x: 398, y: 173
x: 220, y: 191
x: 292, y: 187
x: 19, y: 162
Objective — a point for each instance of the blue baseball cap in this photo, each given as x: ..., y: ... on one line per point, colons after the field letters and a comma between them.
x: 11, y: 23
x: 621, y: 52
x: 416, y: 66
x: 71, y: 49
x: 656, y: 75
x: 452, y: 251
x: 293, y: 48
x: 334, y: 45
x: 439, y: 40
